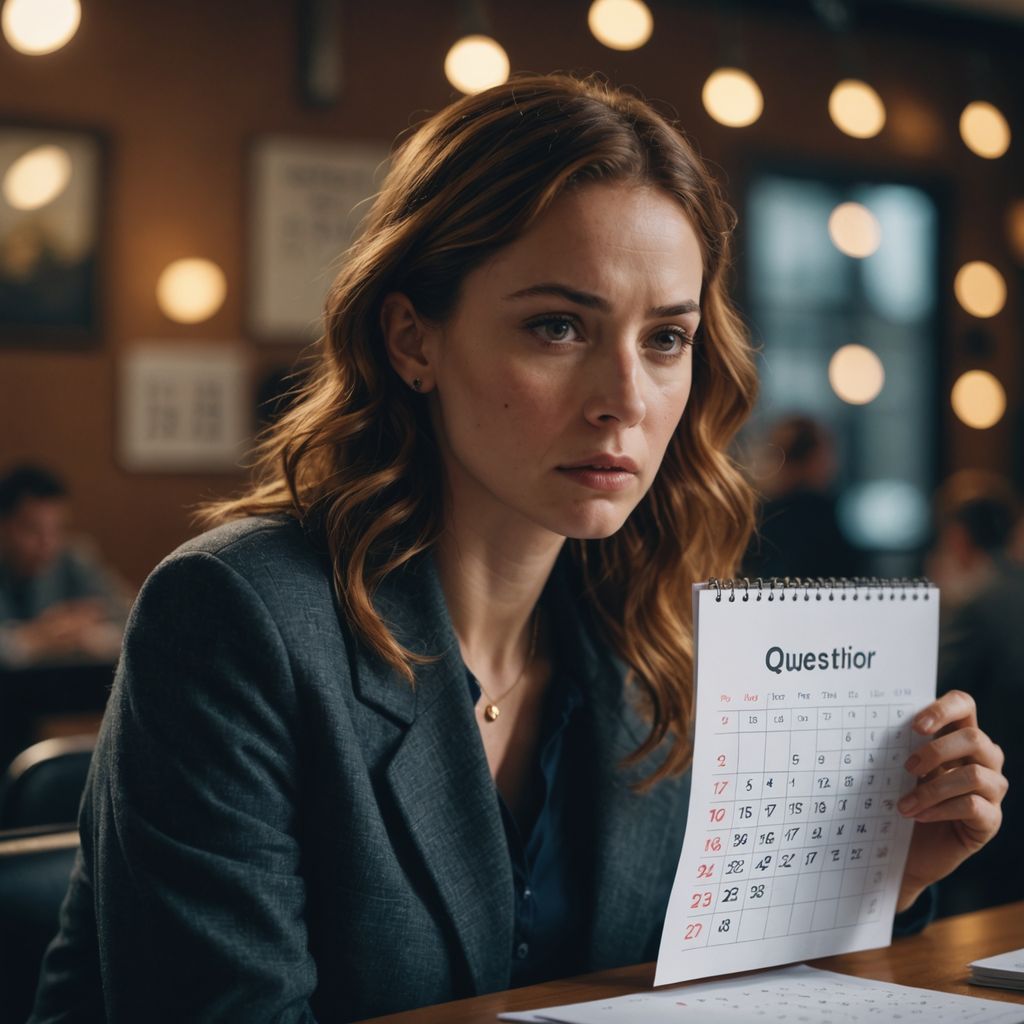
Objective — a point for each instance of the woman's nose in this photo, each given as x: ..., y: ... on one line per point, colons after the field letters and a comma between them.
x: 615, y: 390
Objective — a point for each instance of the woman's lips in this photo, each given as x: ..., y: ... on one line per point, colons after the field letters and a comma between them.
x: 599, y: 479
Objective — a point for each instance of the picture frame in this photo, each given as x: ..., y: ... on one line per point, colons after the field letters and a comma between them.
x: 52, y: 182
x: 184, y: 407
x: 307, y: 199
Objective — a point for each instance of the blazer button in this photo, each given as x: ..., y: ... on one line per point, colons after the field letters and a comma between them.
x: 522, y: 951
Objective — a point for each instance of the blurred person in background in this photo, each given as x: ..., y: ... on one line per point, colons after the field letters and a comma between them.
x: 58, y: 603
x: 799, y: 534
x: 977, y: 526
x: 981, y: 651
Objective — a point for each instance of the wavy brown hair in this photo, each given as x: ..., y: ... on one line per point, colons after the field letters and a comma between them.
x: 356, y: 456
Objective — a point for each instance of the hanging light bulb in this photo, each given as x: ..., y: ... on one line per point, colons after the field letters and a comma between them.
x: 732, y: 97
x: 36, y: 27
x: 191, y: 290
x: 856, y: 374
x: 475, y: 63
x: 980, y: 289
x: 978, y: 399
x: 855, y: 108
x: 37, y: 177
x: 854, y: 230
x: 620, y: 24
x: 984, y: 130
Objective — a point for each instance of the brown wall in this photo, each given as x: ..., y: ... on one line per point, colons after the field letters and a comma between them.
x: 179, y: 90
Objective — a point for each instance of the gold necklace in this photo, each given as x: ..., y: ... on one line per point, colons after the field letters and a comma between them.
x: 491, y: 710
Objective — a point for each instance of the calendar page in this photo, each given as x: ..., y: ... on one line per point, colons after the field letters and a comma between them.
x: 789, y: 995
x: 793, y: 846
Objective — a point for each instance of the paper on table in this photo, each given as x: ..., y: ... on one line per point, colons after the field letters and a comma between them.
x: 1003, y: 971
x: 794, y: 847
x: 798, y: 993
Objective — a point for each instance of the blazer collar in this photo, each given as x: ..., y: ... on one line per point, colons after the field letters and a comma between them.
x: 411, y: 604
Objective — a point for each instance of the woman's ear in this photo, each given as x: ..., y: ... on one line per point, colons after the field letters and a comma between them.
x: 408, y: 340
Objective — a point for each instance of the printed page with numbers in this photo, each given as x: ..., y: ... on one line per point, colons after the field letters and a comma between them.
x: 783, y: 996
x: 794, y: 847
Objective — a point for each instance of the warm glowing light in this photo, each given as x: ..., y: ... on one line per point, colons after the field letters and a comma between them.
x: 854, y: 230
x: 732, y: 97
x: 1015, y: 229
x: 475, y: 63
x: 856, y: 374
x: 621, y: 24
x: 36, y: 27
x: 855, y: 108
x: 37, y: 177
x: 978, y: 399
x: 191, y: 290
x: 984, y: 130
x: 980, y: 289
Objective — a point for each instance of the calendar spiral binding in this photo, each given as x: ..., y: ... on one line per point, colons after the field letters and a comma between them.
x: 834, y: 588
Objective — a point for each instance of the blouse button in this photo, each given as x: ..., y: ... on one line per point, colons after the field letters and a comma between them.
x: 522, y: 951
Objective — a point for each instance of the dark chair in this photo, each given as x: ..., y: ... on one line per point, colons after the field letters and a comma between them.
x: 34, y: 870
x: 43, y: 785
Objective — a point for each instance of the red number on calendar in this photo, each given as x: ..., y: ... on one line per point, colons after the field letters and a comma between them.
x: 721, y: 760
x: 717, y: 813
x: 721, y: 786
x: 714, y: 844
x: 693, y: 930
x: 700, y: 899
x: 705, y: 870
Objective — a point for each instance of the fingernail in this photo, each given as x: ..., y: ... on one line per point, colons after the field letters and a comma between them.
x: 925, y: 721
x: 912, y: 762
x: 908, y: 804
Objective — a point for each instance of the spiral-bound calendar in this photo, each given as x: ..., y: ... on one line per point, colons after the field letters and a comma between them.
x: 794, y: 847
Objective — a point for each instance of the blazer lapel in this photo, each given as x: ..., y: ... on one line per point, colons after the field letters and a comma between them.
x: 440, y: 779
x: 627, y: 831
x: 638, y: 837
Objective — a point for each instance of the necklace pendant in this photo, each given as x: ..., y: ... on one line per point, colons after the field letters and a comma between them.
x: 491, y: 712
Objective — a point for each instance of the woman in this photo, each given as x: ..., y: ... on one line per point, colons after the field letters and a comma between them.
x: 416, y: 728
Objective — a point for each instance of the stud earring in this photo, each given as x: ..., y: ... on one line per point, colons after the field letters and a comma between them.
x: 417, y: 384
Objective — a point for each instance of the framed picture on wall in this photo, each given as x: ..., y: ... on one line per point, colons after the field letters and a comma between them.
x: 51, y: 183
x: 185, y: 407
x: 307, y: 198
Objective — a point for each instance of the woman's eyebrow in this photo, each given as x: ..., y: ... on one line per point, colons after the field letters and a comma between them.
x: 592, y: 301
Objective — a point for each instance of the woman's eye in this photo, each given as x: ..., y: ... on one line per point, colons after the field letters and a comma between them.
x: 554, y: 328
x: 671, y: 342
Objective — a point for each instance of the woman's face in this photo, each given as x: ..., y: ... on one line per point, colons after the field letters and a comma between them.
x: 566, y: 365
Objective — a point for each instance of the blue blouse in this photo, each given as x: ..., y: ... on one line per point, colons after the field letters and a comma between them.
x: 546, y: 859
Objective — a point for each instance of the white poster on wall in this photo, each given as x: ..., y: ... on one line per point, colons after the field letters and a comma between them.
x: 185, y: 407
x: 308, y: 198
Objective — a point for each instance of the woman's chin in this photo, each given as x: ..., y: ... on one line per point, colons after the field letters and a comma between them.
x: 595, y: 527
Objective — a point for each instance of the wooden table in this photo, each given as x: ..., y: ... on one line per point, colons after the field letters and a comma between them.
x: 937, y: 958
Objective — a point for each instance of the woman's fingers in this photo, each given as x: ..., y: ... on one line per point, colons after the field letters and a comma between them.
x: 968, y: 743
x: 953, y: 708
x: 959, y: 787
x: 977, y: 816
x: 948, y: 788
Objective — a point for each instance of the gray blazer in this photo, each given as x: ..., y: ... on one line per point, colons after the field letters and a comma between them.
x: 278, y: 828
